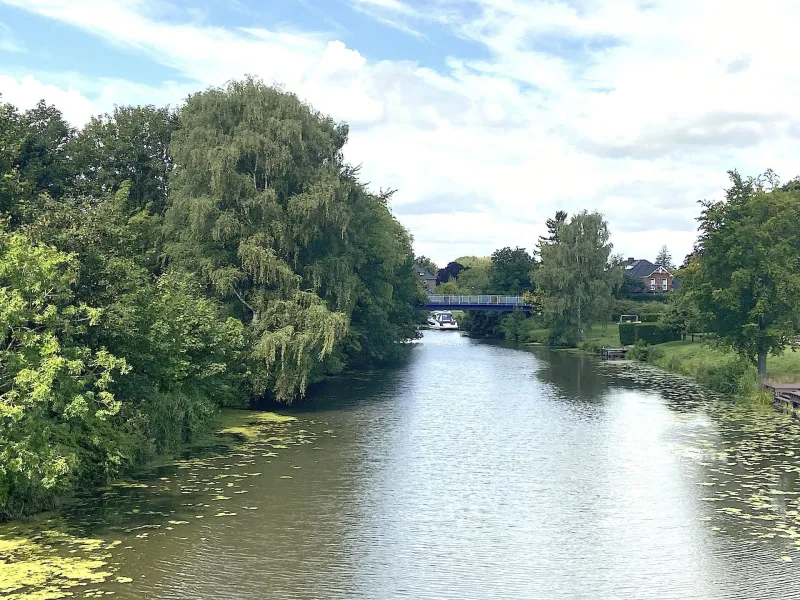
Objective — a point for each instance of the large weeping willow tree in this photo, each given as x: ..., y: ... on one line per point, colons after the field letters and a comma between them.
x: 264, y: 208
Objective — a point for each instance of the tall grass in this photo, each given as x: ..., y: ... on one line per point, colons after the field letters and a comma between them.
x: 724, y: 372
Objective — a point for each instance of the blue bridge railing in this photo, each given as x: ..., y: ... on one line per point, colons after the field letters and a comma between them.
x: 484, y: 302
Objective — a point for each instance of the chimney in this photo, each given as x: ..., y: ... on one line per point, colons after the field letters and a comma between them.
x: 630, y: 260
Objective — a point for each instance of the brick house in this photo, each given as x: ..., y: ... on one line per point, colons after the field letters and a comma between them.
x: 428, y: 279
x: 657, y: 279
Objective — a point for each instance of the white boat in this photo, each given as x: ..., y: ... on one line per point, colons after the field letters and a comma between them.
x: 442, y: 319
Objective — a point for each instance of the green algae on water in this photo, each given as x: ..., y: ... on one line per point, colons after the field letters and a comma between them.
x: 253, y: 426
x: 33, y: 565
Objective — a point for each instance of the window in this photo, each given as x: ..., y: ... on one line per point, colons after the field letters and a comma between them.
x: 664, y: 284
x: 652, y: 285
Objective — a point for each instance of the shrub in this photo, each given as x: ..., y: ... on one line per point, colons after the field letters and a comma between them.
x: 735, y: 376
x: 512, y: 326
x: 644, y: 352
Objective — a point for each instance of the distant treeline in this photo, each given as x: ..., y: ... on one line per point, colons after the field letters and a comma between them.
x: 156, y: 264
x: 741, y: 283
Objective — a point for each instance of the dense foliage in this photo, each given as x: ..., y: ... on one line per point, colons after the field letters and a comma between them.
x: 744, y: 278
x: 157, y: 264
x: 511, y: 271
x: 576, y: 277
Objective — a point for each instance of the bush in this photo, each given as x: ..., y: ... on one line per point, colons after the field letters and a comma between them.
x: 644, y: 352
x: 563, y: 337
x: 512, y: 326
x: 735, y: 376
x: 627, y: 334
x: 483, y: 323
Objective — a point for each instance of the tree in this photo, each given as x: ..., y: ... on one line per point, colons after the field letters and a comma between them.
x: 511, y: 271
x: 552, y: 230
x: 745, y: 278
x: 212, y: 259
x: 256, y: 188
x: 576, y: 279
x: 43, y: 161
x: 55, y: 403
x: 475, y: 278
x: 664, y: 258
x: 131, y: 145
x: 631, y: 286
x: 264, y: 209
x: 12, y: 135
x: 451, y: 271
x: 682, y: 315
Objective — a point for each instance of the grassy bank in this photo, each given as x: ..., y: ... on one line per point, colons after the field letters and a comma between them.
x: 716, y: 368
x: 722, y: 370
x: 597, y: 336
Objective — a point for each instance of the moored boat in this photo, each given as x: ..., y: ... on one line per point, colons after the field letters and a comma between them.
x: 442, y: 319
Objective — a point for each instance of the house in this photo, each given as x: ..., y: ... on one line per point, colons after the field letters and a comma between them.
x: 656, y: 277
x: 427, y: 278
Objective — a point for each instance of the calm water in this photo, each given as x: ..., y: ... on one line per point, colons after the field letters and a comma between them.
x: 475, y: 471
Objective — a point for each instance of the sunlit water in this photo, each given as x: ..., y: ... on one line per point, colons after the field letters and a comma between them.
x: 474, y: 471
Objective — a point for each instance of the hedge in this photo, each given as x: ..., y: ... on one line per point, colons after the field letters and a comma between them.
x: 627, y: 334
x: 651, y: 297
x: 650, y: 333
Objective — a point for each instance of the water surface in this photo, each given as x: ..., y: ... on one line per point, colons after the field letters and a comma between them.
x: 476, y: 470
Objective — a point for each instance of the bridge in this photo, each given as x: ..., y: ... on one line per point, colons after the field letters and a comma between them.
x: 489, y: 302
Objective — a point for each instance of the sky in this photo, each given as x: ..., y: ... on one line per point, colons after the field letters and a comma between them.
x: 486, y: 116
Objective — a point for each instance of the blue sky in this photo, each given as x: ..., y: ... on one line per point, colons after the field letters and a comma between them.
x: 486, y: 115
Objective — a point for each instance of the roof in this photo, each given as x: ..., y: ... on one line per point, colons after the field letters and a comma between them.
x: 423, y: 273
x: 641, y: 268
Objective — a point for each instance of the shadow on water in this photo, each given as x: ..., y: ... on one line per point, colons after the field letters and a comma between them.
x: 575, y: 375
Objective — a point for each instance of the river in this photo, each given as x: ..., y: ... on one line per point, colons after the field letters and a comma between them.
x: 476, y: 470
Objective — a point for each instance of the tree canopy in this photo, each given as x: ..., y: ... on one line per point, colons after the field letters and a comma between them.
x: 664, y: 258
x: 159, y: 263
x: 745, y: 276
x: 576, y: 278
x: 552, y: 225
x: 511, y: 271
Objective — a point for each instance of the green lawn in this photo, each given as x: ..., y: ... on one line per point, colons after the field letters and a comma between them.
x: 606, y: 336
x: 696, y: 358
x: 597, y: 336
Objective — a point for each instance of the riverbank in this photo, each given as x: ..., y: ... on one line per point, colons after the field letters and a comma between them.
x: 724, y: 371
x: 597, y: 336
x: 713, y: 367
x: 50, y: 554
x: 228, y: 428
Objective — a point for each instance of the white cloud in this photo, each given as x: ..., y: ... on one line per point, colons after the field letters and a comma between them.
x: 575, y: 103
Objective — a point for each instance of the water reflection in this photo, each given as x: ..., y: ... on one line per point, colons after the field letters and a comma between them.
x: 477, y: 470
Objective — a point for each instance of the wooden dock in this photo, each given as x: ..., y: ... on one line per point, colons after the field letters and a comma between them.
x: 787, y: 395
x: 612, y: 353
